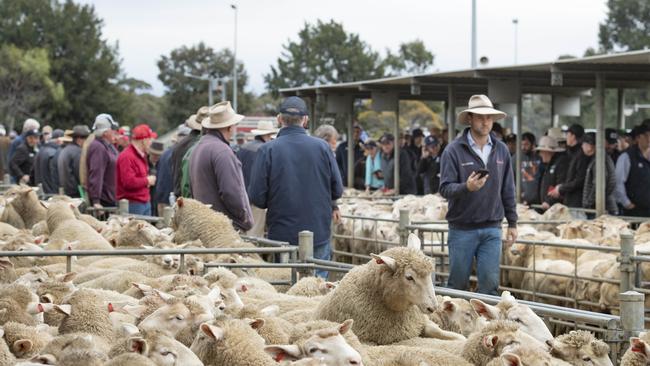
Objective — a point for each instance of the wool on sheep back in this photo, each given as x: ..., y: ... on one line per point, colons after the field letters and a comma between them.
x: 193, y: 220
x: 63, y: 225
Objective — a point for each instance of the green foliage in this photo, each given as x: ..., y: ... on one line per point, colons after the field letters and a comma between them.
x: 626, y: 27
x: 413, y: 58
x: 412, y: 113
x: 85, y: 64
x: 185, y: 94
x: 25, y: 84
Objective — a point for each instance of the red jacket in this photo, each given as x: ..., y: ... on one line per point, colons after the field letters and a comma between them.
x: 132, y: 171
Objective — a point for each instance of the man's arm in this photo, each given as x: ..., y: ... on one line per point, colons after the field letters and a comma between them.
x: 96, y: 165
x: 450, y: 185
x: 258, y: 187
x: 335, y: 182
x: 231, y: 188
x: 622, y: 172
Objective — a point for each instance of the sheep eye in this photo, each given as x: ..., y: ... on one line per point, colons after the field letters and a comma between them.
x: 179, y: 317
x: 511, y: 343
x: 410, y: 278
x: 223, y: 297
x: 39, y: 280
x: 517, y: 320
x: 312, y: 350
x: 586, y: 359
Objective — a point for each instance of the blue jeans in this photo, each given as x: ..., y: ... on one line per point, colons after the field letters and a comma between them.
x: 138, y: 208
x: 485, y: 245
x: 323, y: 252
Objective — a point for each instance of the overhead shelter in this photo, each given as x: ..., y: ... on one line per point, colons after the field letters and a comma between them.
x: 563, y: 79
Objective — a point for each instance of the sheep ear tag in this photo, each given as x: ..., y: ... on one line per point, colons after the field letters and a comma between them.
x: 382, y: 259
x: 638, y: 345
x: 414, y: 242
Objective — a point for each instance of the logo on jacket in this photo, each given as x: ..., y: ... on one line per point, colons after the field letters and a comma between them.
x: 467, y: 164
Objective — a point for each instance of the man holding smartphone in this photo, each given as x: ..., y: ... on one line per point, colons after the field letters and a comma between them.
x: 477, y: 179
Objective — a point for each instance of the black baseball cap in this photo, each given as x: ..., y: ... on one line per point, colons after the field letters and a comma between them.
x: 387, y: 138
x: 431, y: 141
x: 369, y: 144
x: 589, y: 138
x: 294, y: 106
x: 611, y: 136
x: 510, y: 138
x: 417, y: 133
x: 33, y: 132
x: 577, y: 130
x: 640, y: 130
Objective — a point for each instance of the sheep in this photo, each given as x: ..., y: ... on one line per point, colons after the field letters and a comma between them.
x: 6, y: 357
x: 25, y: 341
x: 272, y: 329
x: 135, y: 234
x: 158, y: 347
x: 509, y: 309
x: 457, y: 315
x: 23, y: 243
x: 528, y: 356
x: 227, y: 282
x: 12, y: 311
x: 386, y: 297
x: 482, y: 346
x: 549, y: 284
x: 254, y: 284
x: 130, y: 359
x: 176, y: 317
x: 311, y: 286
x: 79, y: 341
x: 580, y: 347
x: 193, y: 220
x: 26, y: 204
x: 7, y: 271
x: 119, y: 281
x: 7, y: 231
x: 88, y: 314
x: 62, y: 224
x: 40, y: 228
x: 639, y: 352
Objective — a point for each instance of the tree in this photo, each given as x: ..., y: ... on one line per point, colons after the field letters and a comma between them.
x: 413, y: 58
x: 186, y: 94
x: 626, y: 26
x: 85, y: 64
x: 25, y: 84
x: 411, y: 113
x: 324, y: 53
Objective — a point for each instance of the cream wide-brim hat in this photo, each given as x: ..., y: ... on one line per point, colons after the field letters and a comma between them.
x: 480, y: 104
x: 264, y: 128
x: 221, y: 115
x: 193, y: 123
x: 548, y: 143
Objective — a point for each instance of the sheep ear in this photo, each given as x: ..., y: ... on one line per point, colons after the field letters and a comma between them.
x: 45, y: 204
x: 76, y: 202
x: 137, y: 345
x: 214, y: 294
x: 281, y: 352
x: 490, y: 341
x: 63, y: 309
x: 129, y: 329
x: 345, y: 326
x: 271, y: 310
x: 140, y: 226
x: 448, y: 306
x: 414, y: 242
x: 256, y: 323
x: 163, y: 295
x: 179, y: 202
x: 22, y: 346
x: 134, y: 310
x: 489, y: 312
x: 212, y: 331
x: 383, y: 259
x: 146, y: 289
x: 5, y: 263
x: 510, y: 359
x: 67, y: 277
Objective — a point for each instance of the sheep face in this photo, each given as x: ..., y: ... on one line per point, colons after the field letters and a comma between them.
x: 163, y: 351
x: 580, y: 348
x: 640, y: 348
x: 461, y: 314
x: 169, y: 319
x: 327, y: 345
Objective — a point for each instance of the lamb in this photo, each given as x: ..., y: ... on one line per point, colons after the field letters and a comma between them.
x: 63, y: 225
x: 23, y: 243
x: 272, y: 329
x: 580, y: 347
x: 158, y: 347
x: 25, y: 341
x: 26, y: 204
x: 119, y: 281
x: 177, y: 318
x: 7, y: 231
x: 528, y: 356
x: 130, y: 359
x: 509, y: 309
x: 12, y: 311
x: 79, y: 341
x: 639, y: 352
x: 81, y: 351
x: 549, y: 284
x: 88, y: 315
x: 136, y: 234
x: 193, y: 220
x: 457, y: 315
x: 6, y: 357
x: 311, y: 286
x: 386, y: 297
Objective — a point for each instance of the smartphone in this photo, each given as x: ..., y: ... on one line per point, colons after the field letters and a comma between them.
x: 482, y: 173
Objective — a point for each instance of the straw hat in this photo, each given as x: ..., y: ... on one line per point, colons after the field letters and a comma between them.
x: 193, y: 123
x: 556, y: 133
x: 264, y: 128
x: 221, y: 115
x: 67, y: 136
x: 480, y: 104
x: 548, y: 143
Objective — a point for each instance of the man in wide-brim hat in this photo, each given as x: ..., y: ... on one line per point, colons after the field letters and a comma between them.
x: 215, y: 172
x: 476, y: 178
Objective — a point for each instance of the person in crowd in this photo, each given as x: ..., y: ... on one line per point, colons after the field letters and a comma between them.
x: 30, y: 124
x: 498, y: 131
x: 445, y: 139
x: 83, y: 161
x: 624, y: 141
x: 69, y: 160
x: 215, y: 172
x: 342, y: 157
x: 164, y: 181
x: 611, y: 144
x: 406, y: 168
x: 374, y: 176
x: 122, y: 138
x: 156, y: 150
x: 511, y: 142
x: 415, y: 152
x: 405, y: 140
x: 100, y: 164
x: 21, y: 164
x: 429, y: 166
x: 46, y: 135
x: 476, y: 178
x: 559, y: 136
x: 263, y: 133
x: 571, y: 190
x: 574, y: 142
x: 633, y: 175
x: 589, y: 191
x: 45, y: 166
x: 530, y: 170
x: 193, y: 122
x: 5, y: 142
x: 296, y: 178
x: 330, y: 135
x: 436, y: 132
x: 240, y: 140
x: 132, y: 172
x: 556, y: 163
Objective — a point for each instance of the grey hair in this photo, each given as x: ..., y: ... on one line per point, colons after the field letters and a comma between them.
x: 290, y: 119
x: 326, y: 132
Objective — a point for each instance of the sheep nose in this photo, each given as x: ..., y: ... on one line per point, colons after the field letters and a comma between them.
x: 167, y: 260
x: 222, y: 307
x: 355, y: 361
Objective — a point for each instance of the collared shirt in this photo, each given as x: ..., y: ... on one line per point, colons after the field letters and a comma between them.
x: 487, y: 148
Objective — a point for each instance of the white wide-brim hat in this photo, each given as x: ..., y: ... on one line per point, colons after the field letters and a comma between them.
x: 480, y: 104
x: 221, y: 115
x: 264, y: 128
x: 193, y: 123
x: 548, y: 143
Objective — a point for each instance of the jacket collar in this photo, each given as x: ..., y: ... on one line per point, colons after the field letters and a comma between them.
x: 464, y: 139
x: 292, y: 130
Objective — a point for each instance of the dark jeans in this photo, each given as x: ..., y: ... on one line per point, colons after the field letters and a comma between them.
x: 323, y: 252
x: 138, y: 208
x: 485, y: 245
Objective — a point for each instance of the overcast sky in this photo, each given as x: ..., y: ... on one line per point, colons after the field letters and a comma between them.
x: 146, y: 29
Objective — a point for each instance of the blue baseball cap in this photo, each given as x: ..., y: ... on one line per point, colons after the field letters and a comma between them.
x: 294, y: 106
x: 431, y: 141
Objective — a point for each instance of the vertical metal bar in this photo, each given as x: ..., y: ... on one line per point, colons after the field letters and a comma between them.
x: 61, y: 191
x: 575, y: 277
x: 6, y: 179
x: 123, y: 208
x: 534, y: 273
x: 621, y: 108
x: 351, y: 146
x: 68, y: 263
x: 632, y: 312
x: 168, y: 213
x: 451, y: 112
x: 626, y: 266
x: 305, y: 248
x: 600, y: 144
x: 518, y: 152
x: 404, y: 221
x: 396, y: 153
x: 473, y: 63
x: 181, y: 265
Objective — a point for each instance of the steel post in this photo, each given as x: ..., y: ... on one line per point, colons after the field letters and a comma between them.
x: 123, y: 208
x: 404, y: 221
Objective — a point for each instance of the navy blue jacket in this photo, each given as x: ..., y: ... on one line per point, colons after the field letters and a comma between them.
x: 246, y: 155
x: 164, y: 178
x: 296, y: 177
x: 487, y: 206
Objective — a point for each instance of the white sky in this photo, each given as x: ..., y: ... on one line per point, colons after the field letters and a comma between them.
x: 147, y: 29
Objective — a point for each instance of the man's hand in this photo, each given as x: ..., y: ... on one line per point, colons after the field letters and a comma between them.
x: 511, y: 235
x: 474, y: 183
x: 555, y: 192
x: 631, y: 206
x: 151, y: 180
x: 336, y: 216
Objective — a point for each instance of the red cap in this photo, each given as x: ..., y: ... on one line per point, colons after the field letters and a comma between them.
x: 143, y: 131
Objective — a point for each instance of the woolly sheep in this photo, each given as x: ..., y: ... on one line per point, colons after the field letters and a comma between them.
x: 62, y: 224
x: 6, y: 357
x: 386, y: 297
x: 158, y: 347
x: 193, y: 220
x: 130, y: 359
x: 457, y: 315
x: 269, y: 326
x: 25, y: 341
x: 311, y: 286
x: 135, y: 234
x: 175, y: 316
x: 7, y: 230
x: 7, y: 271
x: 119, y: 281
x: 59, y: 344
x: 526, y: 356
x: 88, y: 315
x: 579, y: 348
x: 26, y: 204
x: 639, y: 352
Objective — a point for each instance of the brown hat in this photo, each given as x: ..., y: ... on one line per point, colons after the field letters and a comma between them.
x: 156, y: 148
x: 193, y: 123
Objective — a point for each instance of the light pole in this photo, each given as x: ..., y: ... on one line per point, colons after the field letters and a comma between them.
x: 473, y: 34
x: 515, y: 21
x: 234, y: 63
